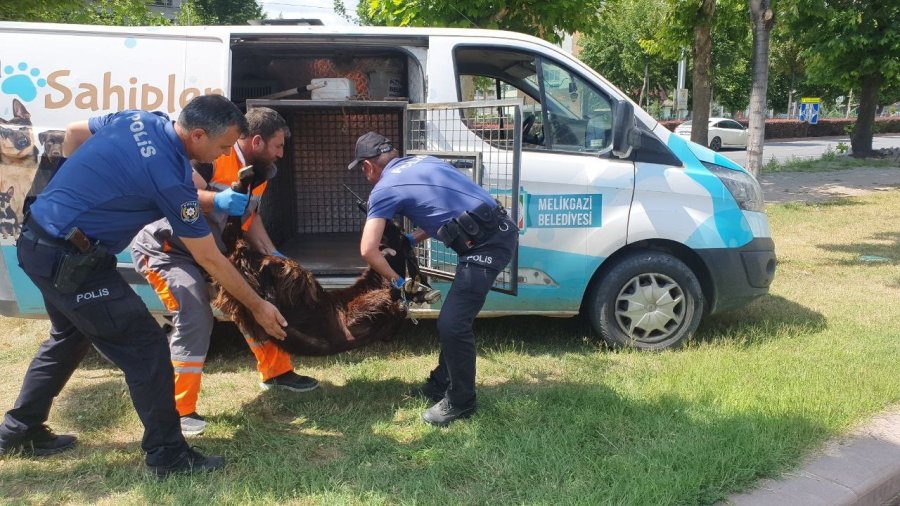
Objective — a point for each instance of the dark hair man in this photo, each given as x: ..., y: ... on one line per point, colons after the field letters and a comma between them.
x: 180, y: 282
x: 133, y: 168
x: 449, y: 206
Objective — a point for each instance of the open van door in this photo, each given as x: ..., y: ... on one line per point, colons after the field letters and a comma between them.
x: 483, y: 139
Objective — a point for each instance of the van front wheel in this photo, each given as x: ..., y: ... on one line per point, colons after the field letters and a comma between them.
x: 648, y: 300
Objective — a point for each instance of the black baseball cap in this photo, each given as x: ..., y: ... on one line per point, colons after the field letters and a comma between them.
x: 370, y: 145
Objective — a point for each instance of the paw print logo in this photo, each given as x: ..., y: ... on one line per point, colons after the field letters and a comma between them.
x: 22, y: 82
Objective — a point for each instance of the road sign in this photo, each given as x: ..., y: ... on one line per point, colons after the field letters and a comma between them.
x: 809, y: 109
x: 681, y: 98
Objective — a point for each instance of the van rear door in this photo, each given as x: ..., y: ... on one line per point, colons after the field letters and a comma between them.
x: 483, y: 139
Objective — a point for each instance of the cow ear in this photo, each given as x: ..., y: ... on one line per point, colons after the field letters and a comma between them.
x: 19, y: 110
x: 10, y: 191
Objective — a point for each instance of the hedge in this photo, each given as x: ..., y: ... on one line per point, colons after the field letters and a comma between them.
x: 788, y: 128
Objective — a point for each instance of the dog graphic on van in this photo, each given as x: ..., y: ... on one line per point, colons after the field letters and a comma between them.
x: 9, y: 219
x: 51, y: 157
x: 18, y: 164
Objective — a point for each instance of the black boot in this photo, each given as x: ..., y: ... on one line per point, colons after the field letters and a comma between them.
x: 189, y: 461
x: 38, y: 442
x: 443, y: 413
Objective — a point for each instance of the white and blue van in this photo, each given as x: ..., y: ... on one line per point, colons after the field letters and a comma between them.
x: 621, y: 220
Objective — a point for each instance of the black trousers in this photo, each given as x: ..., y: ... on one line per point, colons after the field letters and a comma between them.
x: 104, y: 311
x: 475, y: 274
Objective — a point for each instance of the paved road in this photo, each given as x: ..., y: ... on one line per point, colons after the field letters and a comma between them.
x: 809, y: 147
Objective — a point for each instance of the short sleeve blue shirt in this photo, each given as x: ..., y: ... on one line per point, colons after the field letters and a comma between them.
x: 132, y: 171
x: 428, y: 191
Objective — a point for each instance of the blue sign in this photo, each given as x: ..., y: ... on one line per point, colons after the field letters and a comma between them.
x: 564, y: 211
x: 809, y: 110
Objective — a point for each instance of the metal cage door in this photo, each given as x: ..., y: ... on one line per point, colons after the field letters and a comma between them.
x: 483, y: 139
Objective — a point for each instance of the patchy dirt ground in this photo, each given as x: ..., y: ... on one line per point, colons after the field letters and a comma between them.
x: 821, y: 186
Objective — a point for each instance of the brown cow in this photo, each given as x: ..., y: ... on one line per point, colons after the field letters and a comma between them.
x: 322, y: 322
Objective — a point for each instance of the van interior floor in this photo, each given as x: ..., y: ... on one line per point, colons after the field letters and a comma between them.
x: 326, y: 254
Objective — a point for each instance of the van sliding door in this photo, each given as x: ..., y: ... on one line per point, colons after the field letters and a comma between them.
x: 483, y: 139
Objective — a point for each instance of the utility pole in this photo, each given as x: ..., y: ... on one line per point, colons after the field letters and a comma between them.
x: 680, y: 91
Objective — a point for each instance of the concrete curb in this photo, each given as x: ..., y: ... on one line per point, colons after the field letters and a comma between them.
x: 862, y: 468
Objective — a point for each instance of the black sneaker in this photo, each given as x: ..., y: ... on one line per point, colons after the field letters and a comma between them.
x: 188, y: 462
x: 192, y: 424
x: 38, y: 442
x: 291, y: 381
x: 443, y: 413
x: 429, y: 390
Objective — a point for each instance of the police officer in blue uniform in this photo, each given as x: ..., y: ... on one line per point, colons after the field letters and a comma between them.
x: 133, y: 168
x: 445, y: 204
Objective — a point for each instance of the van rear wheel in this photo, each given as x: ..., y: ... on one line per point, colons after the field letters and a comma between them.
x: 647, y: 300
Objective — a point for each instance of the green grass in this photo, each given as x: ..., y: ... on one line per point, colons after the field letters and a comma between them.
x: 562, y: 419
x: 829, y: 161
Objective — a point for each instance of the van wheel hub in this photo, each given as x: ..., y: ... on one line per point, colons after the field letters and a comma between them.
x: 650, y: 307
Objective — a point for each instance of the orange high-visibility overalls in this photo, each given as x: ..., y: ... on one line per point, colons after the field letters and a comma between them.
x: 181, y: 285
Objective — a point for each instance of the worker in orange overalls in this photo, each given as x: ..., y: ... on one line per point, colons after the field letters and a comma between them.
x: 181, y: 284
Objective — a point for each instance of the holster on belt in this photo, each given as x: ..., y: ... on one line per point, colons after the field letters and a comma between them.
x: 76, y: 266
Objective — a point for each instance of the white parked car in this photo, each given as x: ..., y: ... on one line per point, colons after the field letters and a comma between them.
x: 723, y: 133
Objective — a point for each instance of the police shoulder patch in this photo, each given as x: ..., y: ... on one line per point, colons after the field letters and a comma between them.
x: 190, y: 211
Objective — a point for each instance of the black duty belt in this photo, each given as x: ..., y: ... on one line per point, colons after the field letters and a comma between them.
x: 472, y: 228
x: 34, y: 232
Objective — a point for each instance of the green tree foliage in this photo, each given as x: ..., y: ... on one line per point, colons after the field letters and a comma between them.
x: 129, y: 12
x: 547, y: 20
x: 654, y: 33
x: 855, y: 45
x: 52, y: 11
x: 616, y: 49
x: 731, y: 55
x: 90, y: 12
x: 787, y: 70
x: 219, y: 12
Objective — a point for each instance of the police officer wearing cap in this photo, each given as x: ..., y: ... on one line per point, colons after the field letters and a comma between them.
x: 132, y: 168
x: 445, y: 204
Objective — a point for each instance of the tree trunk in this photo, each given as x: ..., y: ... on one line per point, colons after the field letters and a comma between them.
x: 702, y: 74
x: 861, y: 140
x: 763, y: 19
x: 645, y: 87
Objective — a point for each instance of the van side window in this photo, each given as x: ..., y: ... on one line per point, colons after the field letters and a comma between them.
x: 578, y: 116
x: 561, y: 112
x: 491, y: 74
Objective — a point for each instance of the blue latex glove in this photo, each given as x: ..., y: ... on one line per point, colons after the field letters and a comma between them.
x: 398, y: 283
x: 231, y: 202
x: 412, y: 239
x: 276, y: 253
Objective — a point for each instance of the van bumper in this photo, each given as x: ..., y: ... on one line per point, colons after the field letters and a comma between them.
x: 739, y: 275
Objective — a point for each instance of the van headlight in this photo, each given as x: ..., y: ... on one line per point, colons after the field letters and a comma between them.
x: 743, y: 187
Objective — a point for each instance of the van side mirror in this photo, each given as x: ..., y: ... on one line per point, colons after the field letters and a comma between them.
x: 623, y: 126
